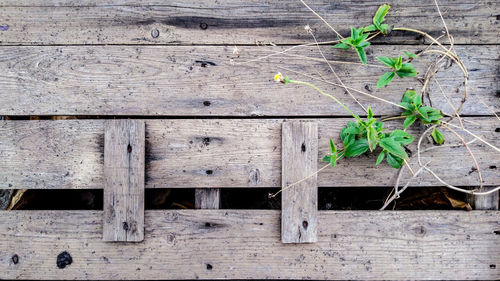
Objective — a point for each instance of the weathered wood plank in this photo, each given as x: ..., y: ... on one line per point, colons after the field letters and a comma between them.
x: 216, y: 153
x: 124, y: 154
x: 299, y: 203
x: 207, y: 198
x: 245, y: 244
x: 484, y: 202
x: 167, y: 80
x: 232, y: 21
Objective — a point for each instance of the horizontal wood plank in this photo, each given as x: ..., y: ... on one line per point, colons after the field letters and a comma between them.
x: 222, y: 153
x: 211, y: 80
x: 232, y: 21
x: 245, y: 244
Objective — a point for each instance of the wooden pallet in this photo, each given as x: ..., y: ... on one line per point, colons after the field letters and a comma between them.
x: 163, y: 102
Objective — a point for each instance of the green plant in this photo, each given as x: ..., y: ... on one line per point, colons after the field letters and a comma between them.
x: 357, y: 41
x: 363, y: 135
x: 378, y: 20
x: 398, y: 67
x: 412, y: 102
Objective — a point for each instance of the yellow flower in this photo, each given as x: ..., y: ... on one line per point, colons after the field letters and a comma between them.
x: 277, y: 77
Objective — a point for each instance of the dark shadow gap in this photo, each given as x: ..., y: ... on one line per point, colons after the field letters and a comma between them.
x: 329, y: 198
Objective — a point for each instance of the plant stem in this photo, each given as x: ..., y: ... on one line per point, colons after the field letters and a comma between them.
x: 326, y: 95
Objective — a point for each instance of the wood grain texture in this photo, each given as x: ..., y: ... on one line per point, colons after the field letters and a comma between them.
x: 299, y: 203
x: 201, y: 153
x: 211, y: 81
x: 245, y: 244
x: 232, y: 21
x: 484, y: 202
x: 124, y: 154
x: 207, y: 198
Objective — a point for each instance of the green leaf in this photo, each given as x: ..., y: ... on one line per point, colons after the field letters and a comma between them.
x: 394, y: 161
x: 370, y: 28
x: 402, y: 137
x: 408, y: 96
x: 379, y: 17
x: 417, y: 100
x: 333, y: 149
x: 361, y: 54
x: 355, y: 34
x: 407, y: 70
x: 370, y: 112
x: 342, y: 45
x: 410, y: 55
x: 387, y: 61
x: 347, y: 138
x: 385, y: 79
x: 379, y: 126
x: 408, y: 121
x: 380, y: 157
x: 393, y: 147
x: 398, y: 63
x: 385, y: 29
x: 364, y: 44
x: 326, y: 158
x: 357, y: 148
x: 437, y: 136
x: 371, y: 135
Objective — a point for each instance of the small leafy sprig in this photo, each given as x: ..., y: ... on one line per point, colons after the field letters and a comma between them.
x: 412, y: 102
x: 398, y: 67
x: 378, y: 20
x: 357, y: 41
x: 359, y: 137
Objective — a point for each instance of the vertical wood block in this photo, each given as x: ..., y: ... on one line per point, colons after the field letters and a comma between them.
x: 299, y: 202
x: 484, y: 202
x: 207, y: 198
x: 124, y: 154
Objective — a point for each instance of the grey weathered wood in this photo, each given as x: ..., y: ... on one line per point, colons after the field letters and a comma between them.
x: 181, y: 80
x: 299, y: 203
x: 200, y: 153
x: 207, y: 198
x: 484, y: 202
x: 124, y: 153
x: 232, y: 21
x: 245, y: 244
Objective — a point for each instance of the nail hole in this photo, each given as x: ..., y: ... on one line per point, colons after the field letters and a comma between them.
x: 207, y: 103
x: 209, y: 266
x: 209, y: 172
x: 125, y: 226
x: 497, y: 232
x: 206, y: 141
x: 497, y: 130
x: 303, y: 147
x: 15, y: 259
x: 203, y: 25
x: 155, y: 33
x: 305, y: 224
x: 207, y: 224
x: 129, y: 148
x: 493, y: 266
x: 64, y: 259
x: 493, y: 167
